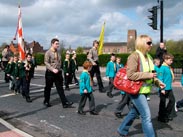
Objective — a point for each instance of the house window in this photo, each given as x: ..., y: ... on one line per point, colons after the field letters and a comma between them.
x: 108, y: 50
x: 118, y: 50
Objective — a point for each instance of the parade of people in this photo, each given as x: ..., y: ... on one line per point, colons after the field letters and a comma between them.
x: 61, y: 71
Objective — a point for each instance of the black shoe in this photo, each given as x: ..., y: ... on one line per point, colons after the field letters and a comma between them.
x: 28, y: 100
x: 109, y: 94
x: 68, y: 105
x: 118, y: 115
x: 164, y: 120
x: 47, y: 104
x: 93, y: 113
x: 81, y: 112
x: 102, y: 90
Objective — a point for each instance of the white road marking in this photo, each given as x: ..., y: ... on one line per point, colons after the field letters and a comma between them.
x: 42, y: 75
x: 7, y: 95
x: 42, y: 89
x: 39, y: 90
x: 38, y: 85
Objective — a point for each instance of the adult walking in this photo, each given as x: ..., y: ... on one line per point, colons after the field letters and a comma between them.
x: 160, y: 51
x: 93, y: 57
x: 6, y: 53
x: 140, y: 57
x: 53, y: 74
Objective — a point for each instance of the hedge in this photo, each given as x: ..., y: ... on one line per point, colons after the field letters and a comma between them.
x: 104, y: 58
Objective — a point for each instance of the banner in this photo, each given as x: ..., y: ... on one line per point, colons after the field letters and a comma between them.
x: 101, y: 40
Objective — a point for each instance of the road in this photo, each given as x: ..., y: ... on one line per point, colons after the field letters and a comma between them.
x: 39, y: 121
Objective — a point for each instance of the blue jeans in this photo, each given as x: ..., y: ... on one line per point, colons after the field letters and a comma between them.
x: 141, y: 108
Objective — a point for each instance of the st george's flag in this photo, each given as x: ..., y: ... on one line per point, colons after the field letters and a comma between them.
x: 19, y: 31
x: 101, y: 40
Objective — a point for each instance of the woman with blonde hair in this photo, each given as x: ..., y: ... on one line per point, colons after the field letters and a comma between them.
x: 140, y: 106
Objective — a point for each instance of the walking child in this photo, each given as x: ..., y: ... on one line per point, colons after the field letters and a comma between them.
x: 21, y: 75
x: 111, y: 72
x: 86, y: 90
x: 157, y: 66
x: 27, y: 78
x: 16, y: 75
x: 9, y: 73
x: 166, y: 76
x: 125, y: 98
x: 66, y: 68
x: 73, y: 67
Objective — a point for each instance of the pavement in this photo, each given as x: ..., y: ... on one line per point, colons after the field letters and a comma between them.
x: 8, y: 130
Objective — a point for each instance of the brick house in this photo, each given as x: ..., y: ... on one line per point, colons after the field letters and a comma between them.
x: 33, y: 47
x: 119, y: 47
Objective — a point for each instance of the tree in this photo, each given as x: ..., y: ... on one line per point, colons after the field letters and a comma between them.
x: 62, y: 48
x: 79, y: 50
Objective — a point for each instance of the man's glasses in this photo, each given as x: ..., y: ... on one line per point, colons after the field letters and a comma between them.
x: 149, y: 43
x: 57, y: 43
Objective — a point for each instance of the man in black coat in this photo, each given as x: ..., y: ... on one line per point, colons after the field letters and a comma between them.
x: 161, y: 50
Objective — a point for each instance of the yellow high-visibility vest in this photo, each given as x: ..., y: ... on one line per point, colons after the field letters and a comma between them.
x: 146, y: 65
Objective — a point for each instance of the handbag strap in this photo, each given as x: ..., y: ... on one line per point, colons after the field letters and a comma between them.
x: 138, y: 67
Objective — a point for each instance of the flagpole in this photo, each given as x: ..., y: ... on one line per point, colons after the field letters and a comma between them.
x: 19, y: 32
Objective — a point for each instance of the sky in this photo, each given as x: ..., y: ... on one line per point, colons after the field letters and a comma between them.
x: 79, y: 22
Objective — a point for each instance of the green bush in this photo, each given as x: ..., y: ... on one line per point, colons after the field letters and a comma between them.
x: 81, y: 58
x: 105, y: 58
x: 178, y: 61
x: 39, y: 58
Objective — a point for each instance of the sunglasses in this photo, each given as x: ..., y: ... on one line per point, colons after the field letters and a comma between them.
x: 149, y: 43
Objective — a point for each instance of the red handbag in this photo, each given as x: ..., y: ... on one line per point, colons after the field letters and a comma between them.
x: 121, y: 82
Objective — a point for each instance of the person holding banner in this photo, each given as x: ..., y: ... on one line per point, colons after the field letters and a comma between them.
x: 93, y: 57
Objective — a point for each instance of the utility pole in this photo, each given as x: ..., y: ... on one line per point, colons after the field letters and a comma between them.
x: 153, y: 18
x: 161, y: 20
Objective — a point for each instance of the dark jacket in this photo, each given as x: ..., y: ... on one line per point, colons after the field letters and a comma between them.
x: 159, y: 54
x: 66, y: 66
x: 73, y: 65
x: 10, y: 68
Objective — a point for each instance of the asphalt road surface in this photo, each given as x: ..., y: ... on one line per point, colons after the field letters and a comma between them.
x: 39, y: 121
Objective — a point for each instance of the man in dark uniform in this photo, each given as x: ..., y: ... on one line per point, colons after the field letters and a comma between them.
x: 93, y: 57
x: 161, y: 50
x: 52, y: 61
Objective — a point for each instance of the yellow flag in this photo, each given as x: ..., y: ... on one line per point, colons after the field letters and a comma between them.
x: 101, y: 40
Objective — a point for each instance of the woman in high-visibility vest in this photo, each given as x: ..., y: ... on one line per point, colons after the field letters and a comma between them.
x: 141, y: 57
